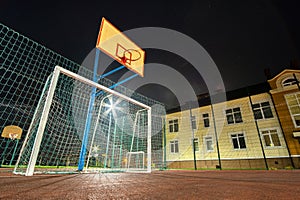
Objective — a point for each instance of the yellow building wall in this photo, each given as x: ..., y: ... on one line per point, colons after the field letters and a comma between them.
x: 278, y: 92
x: 287, y: 122
x: 223, y: 132
x: 265, y: 124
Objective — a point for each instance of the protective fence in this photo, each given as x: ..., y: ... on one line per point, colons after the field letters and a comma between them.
x: 25, y: 69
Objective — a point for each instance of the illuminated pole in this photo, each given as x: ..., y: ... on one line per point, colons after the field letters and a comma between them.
x: 193, y: 126
x: 258, y: 132
x: 216, y: 135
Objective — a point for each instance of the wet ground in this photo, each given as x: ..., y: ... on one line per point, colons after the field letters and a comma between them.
x: 171, y: 184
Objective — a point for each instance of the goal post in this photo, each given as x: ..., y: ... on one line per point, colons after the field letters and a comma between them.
x: 41, y: 127
x: 119, y: 128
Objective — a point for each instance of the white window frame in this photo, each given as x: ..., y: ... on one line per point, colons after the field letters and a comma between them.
x: 173, y: 125
x: 174, y: 143
x: 261, y: 109
x: 236, y: 133
x: 234, y: 121
x: 294, y: 82
x: 207, y: 119
x: 292, y: 115
x: 205, y: 139
x: 198, y: 141
x: 278, y: 134
x: 193, y: 122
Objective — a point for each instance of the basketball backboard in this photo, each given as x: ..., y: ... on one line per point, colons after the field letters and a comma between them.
x: 12, y: 132
x: 118, y: 46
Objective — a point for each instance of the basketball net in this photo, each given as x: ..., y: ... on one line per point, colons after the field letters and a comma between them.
x: 13, y: 136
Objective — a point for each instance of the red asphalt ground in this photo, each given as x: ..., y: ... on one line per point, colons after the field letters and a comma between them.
x: 235, y: 184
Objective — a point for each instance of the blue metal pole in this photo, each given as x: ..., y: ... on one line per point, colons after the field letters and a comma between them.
x: 123, y: 81
x: 119, y: 83
x: 89, y: 116
x: 110, y: 72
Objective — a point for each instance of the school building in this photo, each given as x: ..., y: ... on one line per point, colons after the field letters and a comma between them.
x: 256, y: 128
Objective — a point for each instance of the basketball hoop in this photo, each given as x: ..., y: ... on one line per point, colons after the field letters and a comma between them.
x: 127, y: 56
x: 12, y: 132
x: 130, y: 55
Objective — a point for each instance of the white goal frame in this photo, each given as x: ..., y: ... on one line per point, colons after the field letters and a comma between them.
x: 44, y: 117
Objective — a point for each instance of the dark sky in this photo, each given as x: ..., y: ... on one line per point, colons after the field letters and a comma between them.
x: 242, y: 37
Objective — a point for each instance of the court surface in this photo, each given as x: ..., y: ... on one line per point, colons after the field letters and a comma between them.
x: 172, y: 184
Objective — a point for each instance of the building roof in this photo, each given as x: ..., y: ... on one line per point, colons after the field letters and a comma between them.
x: 283, y: 72
x: 204, y: 99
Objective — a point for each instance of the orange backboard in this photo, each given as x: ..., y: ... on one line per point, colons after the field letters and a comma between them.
x: 12, y: 131
x: 118, y: 46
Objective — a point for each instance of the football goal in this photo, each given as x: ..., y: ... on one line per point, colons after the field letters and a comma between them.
x: 117, y: 137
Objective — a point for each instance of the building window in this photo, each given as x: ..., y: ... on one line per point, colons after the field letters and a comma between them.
x: 293, y: 102
x: 208, y: 142
x: 234, y: 115
x: 206, y: 119
x: 271, y: 138
x: 174, y: 146
x: 289, y: 81
x: 193, y: 121
x: 196, y: 144
x: 262, y: 110
x: 238, y: 141
x: 173, y: 125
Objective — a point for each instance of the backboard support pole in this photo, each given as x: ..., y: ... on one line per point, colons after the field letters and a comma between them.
x: 126, y: 58
x: 119, y: 83
x: 89, y: 115
x: 111, y: 72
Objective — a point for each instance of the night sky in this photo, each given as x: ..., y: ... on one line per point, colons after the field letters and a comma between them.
x: 242, y: 37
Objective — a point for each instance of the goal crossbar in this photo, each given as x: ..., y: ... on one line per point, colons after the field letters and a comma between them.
x: 96, y: 85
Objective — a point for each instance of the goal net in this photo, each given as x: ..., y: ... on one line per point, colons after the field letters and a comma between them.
x: 136, y: 161
x: 79, y: 122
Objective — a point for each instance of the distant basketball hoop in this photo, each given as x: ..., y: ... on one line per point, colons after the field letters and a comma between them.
x: 12, y: 132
